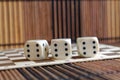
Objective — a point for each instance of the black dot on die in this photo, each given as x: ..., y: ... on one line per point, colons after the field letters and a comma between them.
x: 45, y: 49
x: 66, y: 44
x: 56, y: 55
x: 28, y: 50
x: 38, y: 55
x: 94, y: 47
x: 66, y: 54
x: 56, y: 50
x: 84, y: 53
x: 55, y: 45
x: 37, y: 50
x: 94, y: 52
x: 28, y: 45
x: 28, y: 55
x: 37, y: 45
x: 66, y: 49
x: 83, y: 43
x: 93, y: 42
x: 84, y: 48
x: 43, y: 44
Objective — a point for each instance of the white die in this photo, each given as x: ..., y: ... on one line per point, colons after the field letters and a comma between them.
x: 61, y: 48
x: 36, y: 49
x: 88, y: 46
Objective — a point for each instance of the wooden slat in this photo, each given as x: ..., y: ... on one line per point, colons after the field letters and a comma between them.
x: 11, y: 21
x: 77, y: 18
x: 72, y: 17
x: 64, y: 19
x: 104, y: 20
x: 82, y: 10
x: 37, y: 21
x: 108, y: 19
x: 117, y: 18
x: 6, y: 62
x: 113, y: 19
x: 49, y: 21
x: 67, y: 18
x: 55, y: 19
x: 1, y: 31
x: 6, y: 33
x: 16, y: 25
x: 21, y: 20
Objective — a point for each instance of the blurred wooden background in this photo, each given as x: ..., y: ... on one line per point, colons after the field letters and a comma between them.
x: 47, y: 19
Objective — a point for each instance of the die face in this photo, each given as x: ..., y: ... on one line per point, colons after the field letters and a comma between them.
x: 61, y: 48
x: 88, y: 47
x: 36, y: 49
x: 32, y: 50
x: 45, y: 49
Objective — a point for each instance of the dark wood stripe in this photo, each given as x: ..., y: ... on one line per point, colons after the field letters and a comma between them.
x: 53, y: 29
x: 70, y: 18
x: 66, y: 11
x: 75, y: 35
x: 79, y: 22
x: 61, y: 4
x: 57, y: 19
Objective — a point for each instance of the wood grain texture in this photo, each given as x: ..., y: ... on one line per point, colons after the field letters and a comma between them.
x: 37, y: 20
x: 6, y: 34
x: 21, y: 20
x: 24, y: 20
x: 1, y: 31
x: 102, y: 19
x: 109, y: 19
x: 11, y: 25
x: 117, y: 18
x: 12, y: 39
x: 16, y: 24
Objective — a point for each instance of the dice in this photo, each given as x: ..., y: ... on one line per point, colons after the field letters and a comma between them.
x: 36, y: 49
x: 88, y: 46
x: 61, y: 49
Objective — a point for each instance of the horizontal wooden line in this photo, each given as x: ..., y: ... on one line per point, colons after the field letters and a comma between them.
x: 13, y: 44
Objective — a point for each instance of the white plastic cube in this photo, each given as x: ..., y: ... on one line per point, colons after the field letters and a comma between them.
x: 36, y: 49
x: 88, y: 46
x: 61, y: 48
